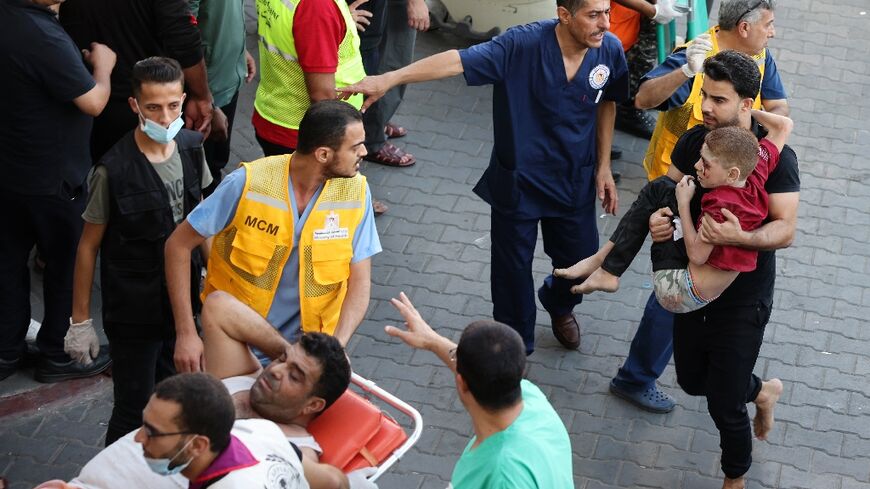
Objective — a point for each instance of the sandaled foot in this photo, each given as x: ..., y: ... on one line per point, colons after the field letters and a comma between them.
x: 379, y: 207
x: 764, y: 406
x: 391, y: 155
x: 581, y: 269
x: 395, y: 131
x: 598, y: 280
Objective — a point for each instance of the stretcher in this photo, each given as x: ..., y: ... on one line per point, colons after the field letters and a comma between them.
x: 353, y: 433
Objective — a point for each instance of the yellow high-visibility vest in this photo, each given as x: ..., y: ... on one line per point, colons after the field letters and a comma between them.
x: 248, y: 256
x: 282, y: 96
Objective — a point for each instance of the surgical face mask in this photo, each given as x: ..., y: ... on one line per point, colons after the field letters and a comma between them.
x: 160, y: 466
x: 159, y: 133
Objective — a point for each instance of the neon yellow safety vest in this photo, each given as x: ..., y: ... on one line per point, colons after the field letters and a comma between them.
x: 282, y: 96
x: 248, y: 256
x: 673, y: 123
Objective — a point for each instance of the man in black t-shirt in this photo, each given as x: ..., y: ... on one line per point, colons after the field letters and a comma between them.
x: 49, y: 100
x: 139, y: 29
x: 716, y: 347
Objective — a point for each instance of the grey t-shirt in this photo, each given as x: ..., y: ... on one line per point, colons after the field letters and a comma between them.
x: 171, y: 174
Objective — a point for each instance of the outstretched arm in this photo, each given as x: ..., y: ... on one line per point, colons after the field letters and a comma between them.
x: 435, y: 67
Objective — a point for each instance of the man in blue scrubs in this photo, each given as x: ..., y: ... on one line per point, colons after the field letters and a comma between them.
x: 555, y: 88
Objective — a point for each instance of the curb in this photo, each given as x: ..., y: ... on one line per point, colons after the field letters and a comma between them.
x: 47, y: 395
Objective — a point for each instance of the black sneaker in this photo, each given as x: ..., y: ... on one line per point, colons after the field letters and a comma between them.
x: 9, y: 367
x: 48, y: 371
x: 636, y: 122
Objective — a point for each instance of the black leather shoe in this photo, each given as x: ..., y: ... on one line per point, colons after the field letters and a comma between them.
x: 49, y: 371
x: 566, y: 330
x: 636, y: 122
x: 8, y: 367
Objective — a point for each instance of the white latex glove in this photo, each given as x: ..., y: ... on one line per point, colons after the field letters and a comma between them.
x: 665, y: 12
x: 696, y: 53
x: 358, y: 479
x: 81, y: 342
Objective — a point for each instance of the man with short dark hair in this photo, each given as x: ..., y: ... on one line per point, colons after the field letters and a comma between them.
x: 302, y: 380
x: 519, y: 441
x: 555, y: 87
x: 716, y: 347
x: 140, y: 190
x: 675, y: 88
x: 190, y: 438
x: 46, y: 112
x: 293, y: 237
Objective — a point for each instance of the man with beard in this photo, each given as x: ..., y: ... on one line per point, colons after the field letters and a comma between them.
x: 293, y: 237
x: 716, y: 347
x: 675, y: 88
x: 555, y: 88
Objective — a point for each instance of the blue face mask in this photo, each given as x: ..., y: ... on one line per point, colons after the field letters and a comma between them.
x: 159, y: 133
x: 160, y: 466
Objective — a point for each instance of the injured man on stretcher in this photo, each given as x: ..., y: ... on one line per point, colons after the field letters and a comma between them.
x: 303, y: 379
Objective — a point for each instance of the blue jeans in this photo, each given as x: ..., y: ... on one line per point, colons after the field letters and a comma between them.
x: 651, y: 349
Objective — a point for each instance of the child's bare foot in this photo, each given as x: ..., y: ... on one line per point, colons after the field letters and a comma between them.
x: 765, y: 402
x: 738, y: 483
x: 598, y: 280
x: 581, y: 269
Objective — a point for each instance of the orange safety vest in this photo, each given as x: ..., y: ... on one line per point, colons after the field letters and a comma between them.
x: 248, y: 257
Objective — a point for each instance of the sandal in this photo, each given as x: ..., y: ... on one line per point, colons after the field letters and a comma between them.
x: 395, y: 131
x: 391, y: 155
x: 379, y: 207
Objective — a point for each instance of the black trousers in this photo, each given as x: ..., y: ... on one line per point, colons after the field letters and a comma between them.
x: 54, y: 224
x: 137, y: 366
x: 714, y: 353
x: 634, y: 226
x: 217, y: 153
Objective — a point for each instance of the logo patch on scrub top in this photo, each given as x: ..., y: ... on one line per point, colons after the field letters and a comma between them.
x: 330, y: 229
x: 598, y: 77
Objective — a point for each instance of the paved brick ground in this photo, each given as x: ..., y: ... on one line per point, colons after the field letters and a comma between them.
x: 436, y: 248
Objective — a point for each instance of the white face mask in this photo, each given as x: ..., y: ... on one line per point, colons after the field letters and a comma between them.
x: 160, y: 466
x: 157, y: 132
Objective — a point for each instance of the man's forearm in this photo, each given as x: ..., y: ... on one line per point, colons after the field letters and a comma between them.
x: 654, y: 91
x: 177, y: 265
x: 83, y: 280
x: 435, y: 67
x: 604, y: 133
x: 772, y: 236
x: 356, y: 301
x: 196, y: 82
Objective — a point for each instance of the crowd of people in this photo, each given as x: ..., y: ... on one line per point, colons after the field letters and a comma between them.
x: 230, y: 289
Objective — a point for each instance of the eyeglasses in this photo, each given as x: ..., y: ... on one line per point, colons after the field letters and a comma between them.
x: 152, y: 432
x: 750, y: 9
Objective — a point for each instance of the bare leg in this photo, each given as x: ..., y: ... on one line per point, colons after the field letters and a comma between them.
x: 229, y: 326
x: 599, y: 280
x: 586, y: 266
x: 738, y: 483
x: 765, y: 402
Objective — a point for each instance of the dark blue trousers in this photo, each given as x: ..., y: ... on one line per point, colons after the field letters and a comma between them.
x: 567, y: 240
x: 650, y: 350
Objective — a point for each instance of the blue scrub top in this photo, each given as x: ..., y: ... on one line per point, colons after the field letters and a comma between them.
x: 544, y: 156
x: 771, y: 84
